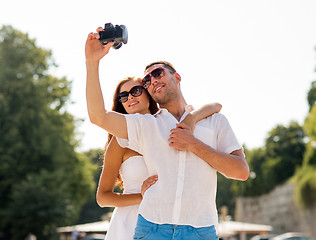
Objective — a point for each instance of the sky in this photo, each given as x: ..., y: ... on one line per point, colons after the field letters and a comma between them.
x: 255, y: 57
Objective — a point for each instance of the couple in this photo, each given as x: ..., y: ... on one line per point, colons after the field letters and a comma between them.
x: 181, y: 203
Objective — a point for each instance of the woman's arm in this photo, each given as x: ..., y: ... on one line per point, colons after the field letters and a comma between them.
x: 106, y: 197
x: 206, y: 110
x: 112, y: 122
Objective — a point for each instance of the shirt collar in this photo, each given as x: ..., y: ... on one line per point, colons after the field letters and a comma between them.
x: 188, y: 109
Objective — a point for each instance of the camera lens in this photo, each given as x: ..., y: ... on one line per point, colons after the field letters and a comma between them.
x: 117, y: 45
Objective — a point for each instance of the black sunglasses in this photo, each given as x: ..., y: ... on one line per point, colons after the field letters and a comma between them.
x: 156, y: 73
x: 135, y: 92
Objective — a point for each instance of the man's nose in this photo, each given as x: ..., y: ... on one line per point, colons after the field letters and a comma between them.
x: 154, y: 81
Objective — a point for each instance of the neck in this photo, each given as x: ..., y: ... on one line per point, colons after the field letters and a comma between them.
x: 176, y: 107
x: 145, y: 111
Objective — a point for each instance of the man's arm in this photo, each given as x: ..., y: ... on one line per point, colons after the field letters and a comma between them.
x: 231, y: 165
x: 112, y: 122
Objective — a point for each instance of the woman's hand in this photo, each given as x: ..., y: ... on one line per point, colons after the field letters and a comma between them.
x: 205, y: 111
x: 94, y: 49
x: 148, y: 183
x: 189, y: 121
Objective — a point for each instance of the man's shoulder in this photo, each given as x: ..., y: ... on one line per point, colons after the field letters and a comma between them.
x: 214, y: 121
x: 216, y: 117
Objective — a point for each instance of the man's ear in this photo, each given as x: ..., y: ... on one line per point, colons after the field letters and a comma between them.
x: 177, y: 77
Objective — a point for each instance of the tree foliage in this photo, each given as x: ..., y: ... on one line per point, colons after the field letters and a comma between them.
x: 43, y: 181
x: 91, y: 211
x: 257, y: 184
x: 285, y: 148
x: 274, y: 163
x: 305, y: 190
x: 311, y: 96
x: 305, y: 178
x: 310, y: 128
x: 225, y: 194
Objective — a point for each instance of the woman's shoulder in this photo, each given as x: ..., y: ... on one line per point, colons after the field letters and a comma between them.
x: 128, y: 153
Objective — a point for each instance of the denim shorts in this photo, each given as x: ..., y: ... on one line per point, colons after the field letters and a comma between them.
x: 148, y: 230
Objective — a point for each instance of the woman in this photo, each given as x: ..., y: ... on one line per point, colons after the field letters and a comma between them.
x: 130, y: 97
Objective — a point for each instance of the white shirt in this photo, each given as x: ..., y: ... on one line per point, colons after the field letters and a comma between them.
x: 185, y: 192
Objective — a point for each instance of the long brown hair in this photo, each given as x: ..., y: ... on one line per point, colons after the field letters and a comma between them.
x: 118, y: 107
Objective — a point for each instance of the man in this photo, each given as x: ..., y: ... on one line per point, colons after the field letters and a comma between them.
x: 181, y: 205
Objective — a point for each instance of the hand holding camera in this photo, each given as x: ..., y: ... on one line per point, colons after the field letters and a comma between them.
x: 110, y: 36
x: 117, y: 34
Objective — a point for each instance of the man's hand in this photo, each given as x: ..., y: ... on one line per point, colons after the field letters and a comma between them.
x: 182, y: 138
x: 94, y: 49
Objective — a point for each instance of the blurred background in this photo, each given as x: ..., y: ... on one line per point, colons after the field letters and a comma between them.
x: 257, y: 58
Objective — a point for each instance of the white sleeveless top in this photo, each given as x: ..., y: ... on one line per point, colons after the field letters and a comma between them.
x: 133, y: 172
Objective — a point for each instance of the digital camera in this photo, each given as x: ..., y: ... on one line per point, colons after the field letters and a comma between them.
x: 117, y: 34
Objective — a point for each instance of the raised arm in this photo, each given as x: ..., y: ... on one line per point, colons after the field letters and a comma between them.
x: 205, y: 111
x: 112, y: 122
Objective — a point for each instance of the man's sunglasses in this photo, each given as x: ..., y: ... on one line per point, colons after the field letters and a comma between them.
x: 156, y: 73
x: 135, y: 92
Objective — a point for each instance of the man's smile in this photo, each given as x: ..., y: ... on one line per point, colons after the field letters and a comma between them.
x: 158, y: 87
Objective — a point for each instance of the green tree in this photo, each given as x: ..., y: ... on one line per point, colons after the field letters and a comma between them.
x: 274, y: 163
x: 305, y: 191
x: 285, y: 148
x: 225, y: 195
x: 256, y: 184
x: 38, y: 162
x: 311, y: 96
x: 46, y: 214
x: 91, y: 211
x: 310, y: 128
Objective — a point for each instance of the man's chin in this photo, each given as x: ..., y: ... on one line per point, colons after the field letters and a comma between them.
x: 160, y: 101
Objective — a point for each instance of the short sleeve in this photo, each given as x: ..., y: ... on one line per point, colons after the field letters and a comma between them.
x: 226, y: 139
x: 134, y: 131
x: 122, y: 142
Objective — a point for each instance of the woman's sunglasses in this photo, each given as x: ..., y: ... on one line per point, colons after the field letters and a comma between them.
x: 135, y: 92
x: 157, y: 73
